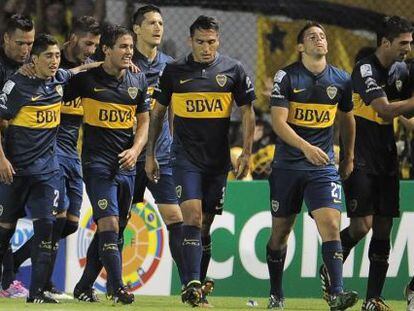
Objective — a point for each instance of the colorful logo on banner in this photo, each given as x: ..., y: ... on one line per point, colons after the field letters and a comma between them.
x: 143, y: 246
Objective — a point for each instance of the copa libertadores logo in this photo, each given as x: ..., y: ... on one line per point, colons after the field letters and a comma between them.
x: 143, y: 246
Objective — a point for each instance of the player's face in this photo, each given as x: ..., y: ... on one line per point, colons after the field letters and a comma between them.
x: 151, y: 29
x: 120, y: 54
x: 47, y: 63
x: 18, y: 44
x: 204, y: 44
x: 85, y: 46
x: 401, y: 46
x: 314, y: 42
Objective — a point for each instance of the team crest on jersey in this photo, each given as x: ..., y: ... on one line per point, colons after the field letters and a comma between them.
x: 103, y: 204
x: 275, y: 205
x: 178, y: 191
x: 59, y: 90
x: 398, y: 85
x: 331, y: 91
x: 133, y: 92
x: 1, y: 209
x: 221, y: 80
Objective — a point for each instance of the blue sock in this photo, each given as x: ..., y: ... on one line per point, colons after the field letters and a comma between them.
x: 275, y: 263
x: 192, y: 252
x: 110, y: 257
x: 58, y: 226
x: 5, y: 236
x: 175, y: 234
x: 41, y: 254
x: 109, y: 288
x: 378, y: 253
x: 332, y: 257
x: 205, y: 259
x: 93, y: 265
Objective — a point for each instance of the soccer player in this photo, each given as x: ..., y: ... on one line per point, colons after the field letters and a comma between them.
x: 29, y: 170
x: 201, y: 88
x: 305, y: 98
x: 111, y: 97
x: 372, y: 191
x: 83, y: 40
x: 17, y: 44
x: 149, y: 29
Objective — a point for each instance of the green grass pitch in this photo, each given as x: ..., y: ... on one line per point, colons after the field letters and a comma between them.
x: 173, y: 303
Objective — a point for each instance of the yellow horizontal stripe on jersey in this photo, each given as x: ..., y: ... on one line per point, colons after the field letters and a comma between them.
x: 108, y: 115
x: 73, y: 107
x: 38, y: 117
x: 311, y: 115
x: 202, y: 104
x: 366, y: 111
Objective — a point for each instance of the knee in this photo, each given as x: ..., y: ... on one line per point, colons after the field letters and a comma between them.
x: 279, y: 237
x: 109, y: 223
x: 360, y: 230
x: 173, y: 217
x: 70, y: 228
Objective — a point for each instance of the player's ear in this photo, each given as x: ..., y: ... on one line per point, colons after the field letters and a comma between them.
x: 300, y: 47
x: 385, y: 42
x: 189, y: 41
x: 105, y: 49
x: 6, y: 37
x: 136, y: 29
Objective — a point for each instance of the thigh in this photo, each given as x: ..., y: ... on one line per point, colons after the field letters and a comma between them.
x: 323, y: 189
x: 13, y: 199
x: 389, y: 196
x: 286, y: 192
x: 214, y: 189
x: 187, y: 180
x: 164, y: 191
x: 74, y: 188
x: 360, y: 194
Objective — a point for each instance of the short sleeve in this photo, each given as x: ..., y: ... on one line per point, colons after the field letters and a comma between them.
x: 11, y: 100
x: 143, y: 103
x: 281, y: 90
x: 73, y: 89
x: 244, y: 89
x: 365, y: 82
x: 164, y: 88
x: 345, y: 103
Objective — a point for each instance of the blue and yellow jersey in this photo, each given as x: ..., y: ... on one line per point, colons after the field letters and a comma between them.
x: 375, y: 149
x: 109, y: 108
x: 312, y: 101
x: 201, y: 96
x: 71, y: 118
x: 33, y: 108
x: 152, y: 71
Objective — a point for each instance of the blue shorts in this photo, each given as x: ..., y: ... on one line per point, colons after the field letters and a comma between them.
x: 192, y: 183
x: 71, y: 186
x: 288, y: 189
x: 110, y: 195
x: 39, y: 193
x: 163, y: 191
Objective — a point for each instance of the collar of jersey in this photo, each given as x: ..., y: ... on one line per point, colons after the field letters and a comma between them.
x: 319, y: 75
x: 190, y: 61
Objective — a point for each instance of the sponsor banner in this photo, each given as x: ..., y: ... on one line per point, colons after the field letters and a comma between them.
x: 147, y: 262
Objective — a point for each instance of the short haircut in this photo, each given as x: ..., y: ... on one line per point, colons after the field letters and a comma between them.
x: 86, y: 24
x: 206, y: 23
x: 42, y: 42
x: 391, y: 27
x: 111, y: 33
x: 301, y: 35
x: 139, y: 17
x: 17, y: 21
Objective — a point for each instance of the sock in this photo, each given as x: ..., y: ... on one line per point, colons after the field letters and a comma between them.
x: 378, y: 253
x: 22, y: 254
x: 411, y: 285
x: 42, y: 245
x: 275, y: 263
x: 205, y: 259
x: 110, y: 257
x: 332, y: 257
x: 93, y: 265
x: 347, y: 242
x: 8, y: 269
x: 192, y: 251
x: 109, y: 288
x: 175, y: 234
x: 5, y: 236
x: 58, y: 226
x: 70, y: 227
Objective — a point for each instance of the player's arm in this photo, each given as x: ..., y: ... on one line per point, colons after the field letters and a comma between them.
x: 248, y: 124
x: 85, y: 67
x: 347, y: 132
x: 388, y: 110
x: 6, y: 169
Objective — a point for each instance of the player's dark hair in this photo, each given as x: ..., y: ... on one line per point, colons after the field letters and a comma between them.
x: 18, y: 21
x: 301, y: 35
x: 111, y: 33
x: 139, y: 17
x: 42, y: 42
x: 391, y: 27
x: 206, y: 23
x: 84, y: 25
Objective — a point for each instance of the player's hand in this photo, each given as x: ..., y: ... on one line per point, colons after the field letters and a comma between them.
x: 242, y: 166
x: 315, y: 155
x: 28, y: 70
x: 152, y: 169
x: 6, y: 171
x: 134, y: 68
x: 345, y: 168
x: 127, y: 159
